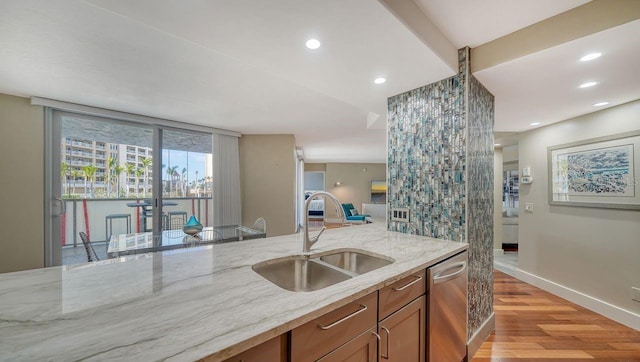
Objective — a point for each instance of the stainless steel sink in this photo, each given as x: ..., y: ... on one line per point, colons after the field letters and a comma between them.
x: 299, y: 274
x: 309, y: 273
x: 355, y: 261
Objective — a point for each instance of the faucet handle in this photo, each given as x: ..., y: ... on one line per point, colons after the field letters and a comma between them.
x: 315, y: 238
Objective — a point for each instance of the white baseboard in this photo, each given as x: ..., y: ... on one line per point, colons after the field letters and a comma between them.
x: 481, y: 335
x: 498, y: 252
x: 608, y: 310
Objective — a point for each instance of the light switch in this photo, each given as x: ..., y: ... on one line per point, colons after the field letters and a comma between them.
x: 528, y: 206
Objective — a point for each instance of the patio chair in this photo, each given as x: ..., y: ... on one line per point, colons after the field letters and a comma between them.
x: 260, y: 225
x: 91, y: 253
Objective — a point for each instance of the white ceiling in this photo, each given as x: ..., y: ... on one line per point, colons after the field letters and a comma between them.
x: 549, y: 92
x: 242, y: 65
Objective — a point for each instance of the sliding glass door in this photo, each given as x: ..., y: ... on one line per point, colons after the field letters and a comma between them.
x: 114, y: 177
x: 187, y: 178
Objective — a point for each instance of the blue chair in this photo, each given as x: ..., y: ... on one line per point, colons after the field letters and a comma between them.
x: 353, y: 216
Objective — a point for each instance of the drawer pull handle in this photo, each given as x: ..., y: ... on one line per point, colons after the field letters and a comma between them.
x: 388, y: 337
x: 418, y: 278
x: 379, y: 344
x: 360, y: 310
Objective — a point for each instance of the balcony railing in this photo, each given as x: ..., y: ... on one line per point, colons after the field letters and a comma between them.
x: 89, y: 215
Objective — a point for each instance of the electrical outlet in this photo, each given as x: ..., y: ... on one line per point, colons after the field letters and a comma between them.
x: 400, y: 214
x: 528, y: 206
x: 635, y: 294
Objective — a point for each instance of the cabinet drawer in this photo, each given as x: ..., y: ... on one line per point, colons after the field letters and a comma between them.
x: 273, y: 350
x: 328, y: 332
x: 400, y: 293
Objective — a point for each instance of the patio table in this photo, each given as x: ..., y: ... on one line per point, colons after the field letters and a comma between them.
x: 137, y: 243
x: 145, y: 211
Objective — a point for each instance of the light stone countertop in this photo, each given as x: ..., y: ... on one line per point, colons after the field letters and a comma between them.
x: 186, y: 304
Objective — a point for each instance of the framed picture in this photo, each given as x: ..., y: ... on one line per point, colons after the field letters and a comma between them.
x: 379, y: 192
x: 599, y: 172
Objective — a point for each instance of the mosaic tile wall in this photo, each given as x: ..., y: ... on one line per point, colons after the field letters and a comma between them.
x: 440, y: 166
x: 480, y: 203
x: 426, y: 159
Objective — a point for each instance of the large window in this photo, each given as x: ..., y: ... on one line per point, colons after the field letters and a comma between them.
x: 106, y: 175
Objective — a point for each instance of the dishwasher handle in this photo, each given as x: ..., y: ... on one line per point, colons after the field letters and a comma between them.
x: 439, y: 278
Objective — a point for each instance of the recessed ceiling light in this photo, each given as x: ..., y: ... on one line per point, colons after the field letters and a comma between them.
x: 496, y: 144
x: 590, y: 56
x: 313, y: 43
x: 588, y: 84
x: 535, y: 123
x: 379, y: 80
x: 600, y: 104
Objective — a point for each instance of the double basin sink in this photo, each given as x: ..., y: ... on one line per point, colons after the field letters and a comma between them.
x: 305, y: 273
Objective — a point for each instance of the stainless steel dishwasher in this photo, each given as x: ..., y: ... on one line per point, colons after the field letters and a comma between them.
x: 447, y: 304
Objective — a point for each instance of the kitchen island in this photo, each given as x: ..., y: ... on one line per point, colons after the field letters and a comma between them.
x: 187, y: 304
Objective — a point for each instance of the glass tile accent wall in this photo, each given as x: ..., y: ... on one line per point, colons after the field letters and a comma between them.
x: 440, y: 167
x: 426, y: 159
x: 480, y: 203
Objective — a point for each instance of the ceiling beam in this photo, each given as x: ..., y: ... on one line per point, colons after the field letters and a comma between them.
x: 415, y: 20
x: 584, y: 20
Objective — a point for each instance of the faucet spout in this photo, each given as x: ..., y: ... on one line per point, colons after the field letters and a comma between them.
x: 308, y: 240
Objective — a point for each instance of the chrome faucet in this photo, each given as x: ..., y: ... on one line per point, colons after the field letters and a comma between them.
x: 308, y: 240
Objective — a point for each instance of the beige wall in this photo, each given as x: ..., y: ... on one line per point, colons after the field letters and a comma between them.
x: 267, y: 179
x: 315, y: 166
x: 356, y: 183
x: 497, y: 200
x: 592, y: 251
x: 510, y: 153
x: 22, y: 190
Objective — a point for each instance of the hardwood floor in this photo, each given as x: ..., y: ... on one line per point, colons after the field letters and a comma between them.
x: 533, y: 325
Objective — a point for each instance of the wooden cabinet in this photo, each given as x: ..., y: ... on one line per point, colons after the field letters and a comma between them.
x: 402, y: 334
x: 324, y: 334
x: 273, y: 350
x: 360, y: 349
x: 402, y: 325
x: 387, y: 325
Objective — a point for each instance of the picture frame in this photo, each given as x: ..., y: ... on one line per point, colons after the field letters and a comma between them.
x: 598, y: 172
x: 379, y: 192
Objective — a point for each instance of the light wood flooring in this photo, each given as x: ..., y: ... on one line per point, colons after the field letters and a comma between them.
x: 533, y: 325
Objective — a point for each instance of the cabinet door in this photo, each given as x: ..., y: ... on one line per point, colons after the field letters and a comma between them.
x: 402, y: 334
x: 360, y: 349
x: 273, y: 350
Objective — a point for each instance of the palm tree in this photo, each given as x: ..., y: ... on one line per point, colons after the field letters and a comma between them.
x: 89, y: 175
x: 75, y: 174
x: 116, y: 172
x: 170, y: 172
x: 183, y: 184
x: 64, y: 170
x: 208, y: 186
x: 111, y: 164
x: 129, y: 168
x: 146, y: 163
x: 196, y: 184
x: 139, y: 172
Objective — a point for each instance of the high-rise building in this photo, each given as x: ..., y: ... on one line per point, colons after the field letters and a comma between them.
x: 78, y: 153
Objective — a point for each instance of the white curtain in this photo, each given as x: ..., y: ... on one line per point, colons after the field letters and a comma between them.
x: 226, y: 177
